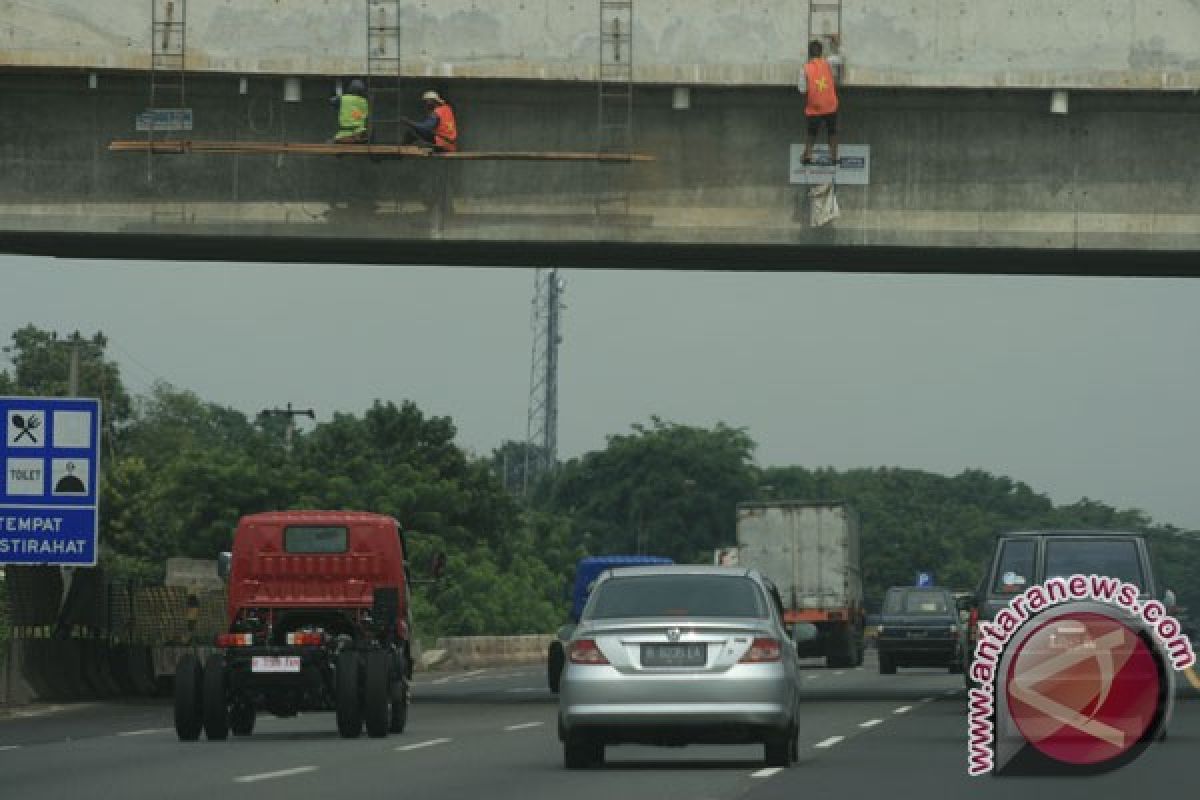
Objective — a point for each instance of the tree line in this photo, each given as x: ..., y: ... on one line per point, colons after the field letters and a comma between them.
x: 178, y: 472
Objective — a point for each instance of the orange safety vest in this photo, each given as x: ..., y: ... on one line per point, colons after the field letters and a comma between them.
x: 822, y: 94
x: 445, y: 135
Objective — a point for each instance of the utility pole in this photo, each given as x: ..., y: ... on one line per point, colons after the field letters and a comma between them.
x: 291, y: 414
x: 541, y: 431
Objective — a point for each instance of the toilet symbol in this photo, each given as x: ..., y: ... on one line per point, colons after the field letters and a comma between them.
x: 70, y: 476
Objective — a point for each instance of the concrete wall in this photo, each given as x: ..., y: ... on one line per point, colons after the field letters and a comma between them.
x: 950, y: 170
x: 1112, y: 44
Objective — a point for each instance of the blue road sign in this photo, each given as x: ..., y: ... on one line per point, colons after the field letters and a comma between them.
x: 924, y: 579
x: 48, y: 490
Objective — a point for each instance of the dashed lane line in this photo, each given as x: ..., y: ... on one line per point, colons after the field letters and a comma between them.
x: 420, y: 745
x: 840, y: 672
x: 871, y: 723
x: 902, y: 710
x: 766, y: 772
x: 830, y: 742
x: 522, y: 726
x: 4, y: 747
x: 145, y: 732
x: 266, y: 776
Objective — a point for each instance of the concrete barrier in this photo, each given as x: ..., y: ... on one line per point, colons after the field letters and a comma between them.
x: 493, y: 651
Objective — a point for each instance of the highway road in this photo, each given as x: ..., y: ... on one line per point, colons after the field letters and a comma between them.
x: 491, y: 734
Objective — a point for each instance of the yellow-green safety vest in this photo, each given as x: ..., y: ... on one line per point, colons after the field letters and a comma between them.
x: 352, y: 115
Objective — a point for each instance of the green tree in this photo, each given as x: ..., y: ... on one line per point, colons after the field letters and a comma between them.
x: 665, y: 489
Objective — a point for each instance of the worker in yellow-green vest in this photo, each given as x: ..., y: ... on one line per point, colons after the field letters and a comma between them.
x: 353, y: 111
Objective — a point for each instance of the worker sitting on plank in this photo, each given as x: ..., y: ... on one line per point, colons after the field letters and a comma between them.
x: 353, y: 111
x: 438, y: 130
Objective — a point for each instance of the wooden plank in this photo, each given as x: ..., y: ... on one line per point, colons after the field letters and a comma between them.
x: 185, y: 146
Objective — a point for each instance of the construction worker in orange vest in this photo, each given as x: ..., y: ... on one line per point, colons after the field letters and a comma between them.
x: 817, y: 83
x: 439, y: 129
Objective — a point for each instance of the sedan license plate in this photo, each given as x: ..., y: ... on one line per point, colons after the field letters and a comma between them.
x: 275, y: 664
x: 674, y: 655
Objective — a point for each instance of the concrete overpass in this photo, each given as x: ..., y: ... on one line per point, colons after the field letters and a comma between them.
x: 968, y: 167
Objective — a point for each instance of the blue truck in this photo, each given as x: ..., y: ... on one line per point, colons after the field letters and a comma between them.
x: 586, y: 572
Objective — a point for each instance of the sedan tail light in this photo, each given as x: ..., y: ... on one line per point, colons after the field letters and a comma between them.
x: 763, y: 650
x: 585, y: 651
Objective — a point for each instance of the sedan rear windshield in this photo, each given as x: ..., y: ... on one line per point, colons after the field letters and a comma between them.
x: 915, y: 601
x: 677, y: 596
x: 1111, y: 558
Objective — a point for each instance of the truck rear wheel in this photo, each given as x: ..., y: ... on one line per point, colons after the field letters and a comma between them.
x: 346, y: 695
x: 189, y: 698
x: 216, y: 705
x: 555, y: 660
x: 399, y: 689
x: 241, y: 719
x: 377, y: 695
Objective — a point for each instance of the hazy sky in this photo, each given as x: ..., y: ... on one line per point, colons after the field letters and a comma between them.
x: 1077, y: 386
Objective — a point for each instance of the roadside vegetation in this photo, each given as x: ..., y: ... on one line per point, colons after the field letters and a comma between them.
x: 178, y: 472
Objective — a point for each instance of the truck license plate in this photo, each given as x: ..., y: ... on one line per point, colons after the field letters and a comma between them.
x: 275, y: 664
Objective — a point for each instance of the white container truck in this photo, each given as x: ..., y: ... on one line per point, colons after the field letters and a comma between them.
x: 810, y: 551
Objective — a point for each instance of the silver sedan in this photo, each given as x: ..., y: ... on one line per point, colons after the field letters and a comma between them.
x: 673, y: 655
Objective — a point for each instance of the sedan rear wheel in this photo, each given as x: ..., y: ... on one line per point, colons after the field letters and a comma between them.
x: 777, y: 749
x: 580, y: 752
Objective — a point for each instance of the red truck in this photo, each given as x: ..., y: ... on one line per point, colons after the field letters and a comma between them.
x: 319, y: 620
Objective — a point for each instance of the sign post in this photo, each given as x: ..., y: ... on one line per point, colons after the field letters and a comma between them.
x: 49, y: 488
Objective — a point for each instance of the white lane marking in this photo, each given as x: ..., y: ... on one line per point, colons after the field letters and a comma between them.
x: 766, y: 772
x: 419, y: 745
x: 10, y: 747
x: 522, y: 726
x: 926, y: 700
x: 902, y: 710
x: 840, y: 672
x: 266, y: 776
x: 812, y: 677
x: 871, y: 723
x: 830, y: 742
x: 951, y: 692
x: 144, y: 732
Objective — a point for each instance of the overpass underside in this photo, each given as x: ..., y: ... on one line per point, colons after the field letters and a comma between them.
x: 959, y: 180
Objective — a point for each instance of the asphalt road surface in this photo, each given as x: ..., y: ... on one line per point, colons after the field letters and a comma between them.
x: 491, y: 734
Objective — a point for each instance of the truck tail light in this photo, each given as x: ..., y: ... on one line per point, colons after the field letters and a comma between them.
x: 235, y: 639
x: 585, y: 651
x: 306, y: 639
x: 763, y: 650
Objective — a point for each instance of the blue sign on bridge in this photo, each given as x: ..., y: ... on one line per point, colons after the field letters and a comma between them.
x: 48, y: 489
x: 924, y: 579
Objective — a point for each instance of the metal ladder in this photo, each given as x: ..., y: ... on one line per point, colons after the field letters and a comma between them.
x: 384, y: 92
x: 614, y: 117
x: 824, y: 22
x: 168, y: 48
x: 168, y: 45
